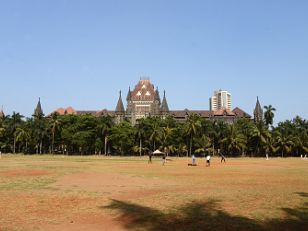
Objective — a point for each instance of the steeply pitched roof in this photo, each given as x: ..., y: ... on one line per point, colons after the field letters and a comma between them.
x: 223, y: 112
x: 240, y: 113
x: 157, y: 97
x: 2, y: 113
x: 129, y: 95
x: 38, y: 110
x: 120, y: 106
x: 105, y: 112
x: 164, y: 106
x: 258, y: 112
x: 143, y: 91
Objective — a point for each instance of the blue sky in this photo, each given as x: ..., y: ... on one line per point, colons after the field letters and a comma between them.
x: 80, y: 53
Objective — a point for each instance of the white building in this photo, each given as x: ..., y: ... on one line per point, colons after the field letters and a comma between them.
x: 220, y: 99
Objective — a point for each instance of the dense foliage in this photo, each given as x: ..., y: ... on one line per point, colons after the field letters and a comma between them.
x: 88, y: 134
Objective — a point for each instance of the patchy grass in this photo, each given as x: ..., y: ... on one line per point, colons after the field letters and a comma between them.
x: 127, y: 193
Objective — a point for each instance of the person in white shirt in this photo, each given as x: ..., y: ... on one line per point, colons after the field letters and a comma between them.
x: 208, y: 160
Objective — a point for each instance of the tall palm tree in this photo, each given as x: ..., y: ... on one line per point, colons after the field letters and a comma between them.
x: 260, y: 134
x: 16, y: 120
x: 167, y: 134
x: 269, y: 115
x: 192, y: 128
x: 140, y: 132
x: 284, y: 143
x: 156, y: 132
x: 235, y: 141
x: 40, y: 131
x: 105, y: 123
x: 22, y: 135
x: 55, y: 124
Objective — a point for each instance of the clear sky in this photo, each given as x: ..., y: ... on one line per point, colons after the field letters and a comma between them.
x: 81, y: 53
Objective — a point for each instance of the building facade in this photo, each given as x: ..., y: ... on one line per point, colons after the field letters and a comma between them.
x: 144, y: 101
x: 220, y: 100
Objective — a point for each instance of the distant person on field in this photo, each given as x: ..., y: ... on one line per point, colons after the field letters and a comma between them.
x: 208, y: 160
x: 164, y: 159
x: 193, y: 159
x: 150, y: 157
x: 223, y: 159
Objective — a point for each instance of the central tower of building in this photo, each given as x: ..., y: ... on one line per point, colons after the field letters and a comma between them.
x: 142, y: 101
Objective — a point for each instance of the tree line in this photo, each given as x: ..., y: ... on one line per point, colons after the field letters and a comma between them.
x: 89, y: 134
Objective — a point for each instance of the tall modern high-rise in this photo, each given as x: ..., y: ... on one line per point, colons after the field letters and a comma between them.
x: 220, y: 99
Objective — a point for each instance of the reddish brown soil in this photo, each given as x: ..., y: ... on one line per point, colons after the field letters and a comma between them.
x: 24, y: 172
x: 79, y: 201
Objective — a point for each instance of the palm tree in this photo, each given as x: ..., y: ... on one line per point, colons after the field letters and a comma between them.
x: 22, y: 135
x: 104, y: 124
x: 167, y: 134
x: 55, y: 124
x: 284, y: 143
x: 40, y: 132
x: 16, y: 120
x: 205, y: 144
x: 192, y: 128
x: 156, y: 132
x: 140, y: 131
x: 269, y: 115
x: 260, y: 134
x: 235, y: 141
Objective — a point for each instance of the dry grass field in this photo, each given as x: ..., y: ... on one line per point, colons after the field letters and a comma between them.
x: 126, y: 193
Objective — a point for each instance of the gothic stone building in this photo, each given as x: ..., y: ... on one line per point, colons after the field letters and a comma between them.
x: 144, y: 100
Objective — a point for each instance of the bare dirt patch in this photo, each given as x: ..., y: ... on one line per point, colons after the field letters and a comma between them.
x: 25, y: 172
x: 106, y: 182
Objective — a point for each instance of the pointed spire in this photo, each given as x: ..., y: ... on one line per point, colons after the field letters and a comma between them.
x: 38, y: 110
x: 258, y: 112
x: 2, y: 113
x: 120, y: 107
x: 129, y: 95
x: 164, y: 106
x: 157, y: 97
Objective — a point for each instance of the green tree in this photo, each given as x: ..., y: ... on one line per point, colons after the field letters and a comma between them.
x: 235, y: 141
x: 55, y: 125
x: 192, y: 128
x: 284, y: 143
x: 15, y: 122
x: 260, y: 136
x: 269, y: 115
x: 122, y: 137
x: 105, y: 123
x: 156, y: 131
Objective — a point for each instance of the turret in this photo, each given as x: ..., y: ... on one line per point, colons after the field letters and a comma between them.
x: 2, y: 113
x: 258, y: 112
x: 164, y: 106
x: 38, y: 112
x: 119, y: 111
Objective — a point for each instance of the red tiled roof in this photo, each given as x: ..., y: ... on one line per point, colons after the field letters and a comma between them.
x: 143, y: 91
x: 223, y: 112
x: 70, y: 110
x: 86, y: 112
x: 105, y: 112
x: 186, y: 112
x: 240, y: 113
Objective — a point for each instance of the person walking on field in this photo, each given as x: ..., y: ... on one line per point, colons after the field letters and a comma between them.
x: 223, y: 159
x: 208, y: 160
x: 193, y: 159
x: 164, y: 159
x: 150, y: 157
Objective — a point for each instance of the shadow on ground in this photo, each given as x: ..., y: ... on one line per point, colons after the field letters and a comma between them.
x: 203, y: 216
